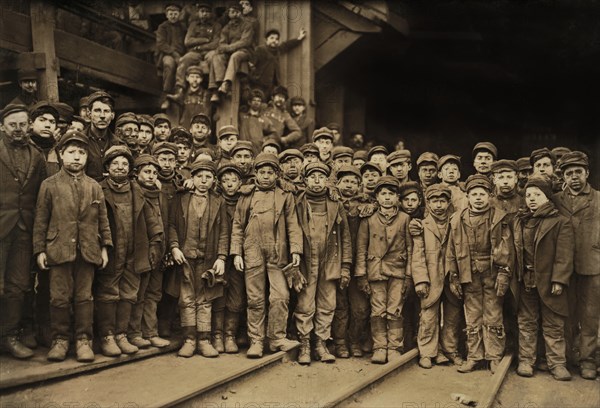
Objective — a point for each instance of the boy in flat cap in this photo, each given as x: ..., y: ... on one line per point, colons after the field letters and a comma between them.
x: 170, y: 47
x: 543, y: 162
x: 544, y: 243
x: 284, y: 125
x: 146, y: 134
x: 432, y: 283
x: 22, y: 170
x: 504, y: 176
x: 73, y: 204
x: 370, y: 173
x: 254, y: 125
x: 427, y: 169
x: 310, y: 152
x: 323, y: 139
x: 271, y: 145
x: 581, y: 204
x: 411, y: 200
x: 137, y: 236
x: 162, y: 127
x: 378, y: 155
x: 28, y: 83
x: 44, y: 118
x: 326, y: 262
x: 101, y: 113
x: 359, y: 158
x: 449, y: 175
x: 291, y: 169
x: 265, y: 232
x: 194, y: 98
x: 200, y: 128
x: 299, y: 114
x: 399, y: 165
x: 381, y: 268
x: 199, y: 242
x: 480, y: 259
x: 524, y: 170
x: 183, y: 140
x: 227, y: 137
x: 484, y: 154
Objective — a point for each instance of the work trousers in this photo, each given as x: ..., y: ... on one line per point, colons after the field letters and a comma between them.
x: 122, y: 285
x: 195, y: 300
x: 351, y: 315
x: 387, y: 298
x: 16, y: 251
x: 189, y: 59
x: 168, y: 73
x: 224, y: 67
x: 587, y: 310
x: 144, y: 313
x: 316, y: 306
x: 430, y: 337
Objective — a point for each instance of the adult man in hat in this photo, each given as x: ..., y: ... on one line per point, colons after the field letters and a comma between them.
x: 170, y: 47
x: 285, y: 126
x: 29, y: 86
x: 484, y: 154
x: 254, y: 125
x: 22, y: 170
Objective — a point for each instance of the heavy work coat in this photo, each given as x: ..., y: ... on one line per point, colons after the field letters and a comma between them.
x: 428, y: 259
x: 17, y: 199
x: 384, y: 252
x: 147, y: 229
x: 458, y: 256
x: 339, y: 242
x: 288, y: 234
x: 267, y: 72
x: 553, y: 262
x: 65, y: 224
x: 585, y: 219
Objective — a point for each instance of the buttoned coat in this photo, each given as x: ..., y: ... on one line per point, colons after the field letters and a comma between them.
x: 65, y: 223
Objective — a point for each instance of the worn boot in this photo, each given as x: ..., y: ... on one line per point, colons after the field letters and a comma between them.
x: 468, y: 366
x: 588, y: 370
x: 356, y: 350
x: 425, y: 362
x: 27, y: 338
x: 122, y: 325
x: 341, y: 350
x: 188, y: 348
x: 441, y: 358
x: 218, y: 322
x: 525, y: 369
x: 560, y: 373
x: 231, y: 327
x: 304, y: 354
x: 256, y: 349
x: 109, y: 346
x: 322, y: 353
x: 9, y: 324
x: 83, y: 348
x: 494, y: 365
x: 456, y: 359
x: 283, y: 344
x: 105, y: 321
x: 124, y: 345
x: 58, y: 351
x: 380, y: 340
x: 204, y: 347
x: 159, y: 342
x: 140, y: 342
x: 18, y: 350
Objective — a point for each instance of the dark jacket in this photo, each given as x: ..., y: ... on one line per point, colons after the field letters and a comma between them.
x: 96, y: 149
x: 236, y: 36
x: 202, y: 37
x: 267, y: 72
x: 65, y: 224
x: 170, y: 39
x: 285, y: 127
x: 17, y: 199
x: 339, y: 243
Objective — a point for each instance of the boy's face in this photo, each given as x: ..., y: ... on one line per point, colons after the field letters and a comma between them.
x: 83, y: 112
x: 325, y: 145
x: 358, y: 162
x: 291, y: 167
x: 387, y: 198
x: 576, y: 177
x: 340, y: 161
x: 272, y: 41
x: 316, y: 181
x: 400, y: 169
x: 522, y: 176
x: 15, y: 125
x: 162, y: 131
x: 73, y: 157
x: 483, y: 162
x: 183, y: 153
x: 449, y: 173
x: 172, y: 15
x: 200, y: 132
x: 270, y: 149
x: 234, y: 14
x: 204, y: 14
x: 310, y: 158
x: 543, y: 166
x: 534, y: 198
x: 348, y: 185
x: 370, y: 178
x: 101, y: 114
x: 427, y: 173
x: 118, y: 168
x: 438, y: 205
x: 44, y: 125
x: 203, y: 180
x: 167, y: 162
x: 230, y: 183
x: 266, y: 175
x: 380, y: 160
x: 243, y: 159
x: 227, y: 142
x: 130, y: 132
x: 298, y: 109
x: 255, y: 103
x: 479, y: 198
x: 76, y: 125
x: 146, y: 175
x: 410, y: 203
x: 505, y: 181
x: 194, y: 80
x: 145, y: 135
x: 246, y: 7
x: 29, y: 85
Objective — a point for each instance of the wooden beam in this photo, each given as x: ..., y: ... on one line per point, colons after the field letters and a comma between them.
x: 42, y: 38
x: 15, y: 31
x: 333, y: 47
x: 345, y: 17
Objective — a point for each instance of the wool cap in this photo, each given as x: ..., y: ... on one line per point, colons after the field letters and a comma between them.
x: 266, y: 159
x: 297, y: 100
x: 504, y: 165
x: 478, y: 180
x: 145, y: 159
x: 256, y: 93
x: 272, y: 141
x: 289, y: 154
x: 486, y: 146
x: 347, y: 170
x: 242, y: 145
x: 317, y: 167
x: 41, y: 108
x: 398, y: 156
x: 523, y: 164
x: 193, y: 69
x: 410, y: 187
x: 449, y: 158
x: 542, y: 182
x: 574, y: 158
x: 27, y: 74
x: 161, y: 117
x: 280, y: 90
x: 73, y: 136
x: 179, y: 134
x: 322, y: 132
x: 370, y: 166
x: 164, y: 147
x: 387, y: 181
x: 227, y: 130
x: 360, y: 155
x: 538, y: 154
x: 227, y: 166
x: 203, y: 164
x: 438, y: 190
x: 200, y: 118
x: 377, y: 149
x: 560, y: 151
x: 341, y: 151
x: 146, y: 120
x: 13, y: 108
x: 428, y: 157
x: 116, y: 151
x: 100, y: 95
x: 125, y: 118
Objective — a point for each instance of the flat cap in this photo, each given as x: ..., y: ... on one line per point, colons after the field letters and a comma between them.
x: 256, y: 93
x: 272, y: 31
x: 116, y: 151
x: 387, y: 181
x: 317, y: 167
x: 297, y: 100
x: 504, y: 165
x: 322, y: 132
x: 145, y: 159
x: 428, y: 157
x: 478, y: 180
x: 146, y: 120
x: 280, y: 90
x: 203, y: 164
x: 41, y: 108
x: 73, y: 136
x: 164, y: 147
x: 266, y: 159
x: 227, y: 166
x: 200, y: 118
x: 205, y: 151
x: 84, y: 102
x: 574, y: 158
x: 65, y: 111
x: 341, y: 151
x: 193, y: 69
x: 410, y: 187
x: 13, y: 108
x: 242, y: 145
x: 347, y: 170
x: 204, y: 6
x: 370, y: 166
x: 560, y: 151
x: 377, y: 149
x: 179, y: 134
x: 27, y: 74
x: 235, y: 6
x: 309, y: 148
x: 360, y: 155
x: 161, y: 117
x: 398, y: 156
x: 227, y: 130
x: 538, y: 154
x: 173, y: 6
x: 487, y: 146
x: 449, y: 158
x: 438, y: 190
x: 93, y: 97
x: 523, y: 164
x: 542, y: 182
x: 125, y: 118
x: 334, y: 126
x: 290, y: 154
x: 271, y: 141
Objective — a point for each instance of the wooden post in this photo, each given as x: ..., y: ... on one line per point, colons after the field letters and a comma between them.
x: 43, y: 16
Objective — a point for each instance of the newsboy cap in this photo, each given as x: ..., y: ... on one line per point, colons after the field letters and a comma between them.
x: 574, y: 158
x: 428, y: 157
x: 370, y: 166
x: 145, y: 159
x: 13, y: 108
x: 266, y: 159
x: 290, y: 154
x: 116, y: 151
x: 322, y: 132
x: 200, y: 118
x: 347, y: 170
x: 317, y: 167
x: 387, y: 181
x: 227, y: 166
x: 72, y: 136
x: 542, y: 182
x: 523, y: 164
x: 379, y: 149
x: 227, y: 130
x: 486, y: 146
x: 398, y: 156
x: 27, y: 74
x: 478, y: 180
x: 41, y: 108
x: 538, y: 154
x: 449, y: 158
x: 98, y: 95
x: 164, y: 147
x: 504, y: 165
x: 242, y: 145
x: 341, y: 151
x: 360, y: 155
x: 309, y: 148
x: 438, y: 190
x: 203, y: 164
x: 410, y: 187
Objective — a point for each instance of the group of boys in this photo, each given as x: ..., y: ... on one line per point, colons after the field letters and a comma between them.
x: 125, y: 227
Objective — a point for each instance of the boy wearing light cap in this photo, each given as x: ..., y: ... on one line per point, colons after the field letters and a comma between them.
x: 170, y: 47
x: 427, y: 169
x: 137, y: 237
x: 323, y: 138
x: 381, y: 268
x: 484, y: 154
x: 449, y: 175
x: 199, y: 242
x: 311, y: 153
x: 479, y: 260
x: 432, y: 283
x: 74, y: 203
x: 326, y: 262
x: 504, y: 177
x: 399, y: 165
x: 265, y: 233
x: 544, y: 243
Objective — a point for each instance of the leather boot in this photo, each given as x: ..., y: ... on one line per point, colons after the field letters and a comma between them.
x: 188, y: 348
x: 124, y: 345
x: 304, y: 354
x: 122, y: 324
x: 204, y: 347
x: 83, y: 348
x: 105, y: 320
x: 256, y: 349
x: 283, y: 344
x: 380, y: 341
x: 58, y: 351
x: 140, y: 342
x: 10, y: 318
x: 12, y: 345
x: 109, y: 346
x: 159, y: 342
x: 322, y: 353
x: 231, y: 327
x: 356, y: 350
x: 468, y: 366
x: 341, y: 350
x: 218, y: 321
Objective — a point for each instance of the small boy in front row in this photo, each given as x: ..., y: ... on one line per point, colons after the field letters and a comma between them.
x: 383, y: 261
x: 71, y: 235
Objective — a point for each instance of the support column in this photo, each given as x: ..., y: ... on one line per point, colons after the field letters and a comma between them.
x: 43, y: 21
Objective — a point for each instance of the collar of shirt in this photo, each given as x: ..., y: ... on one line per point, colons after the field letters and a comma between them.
x: 388, y: 214
x: 585, y: 191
